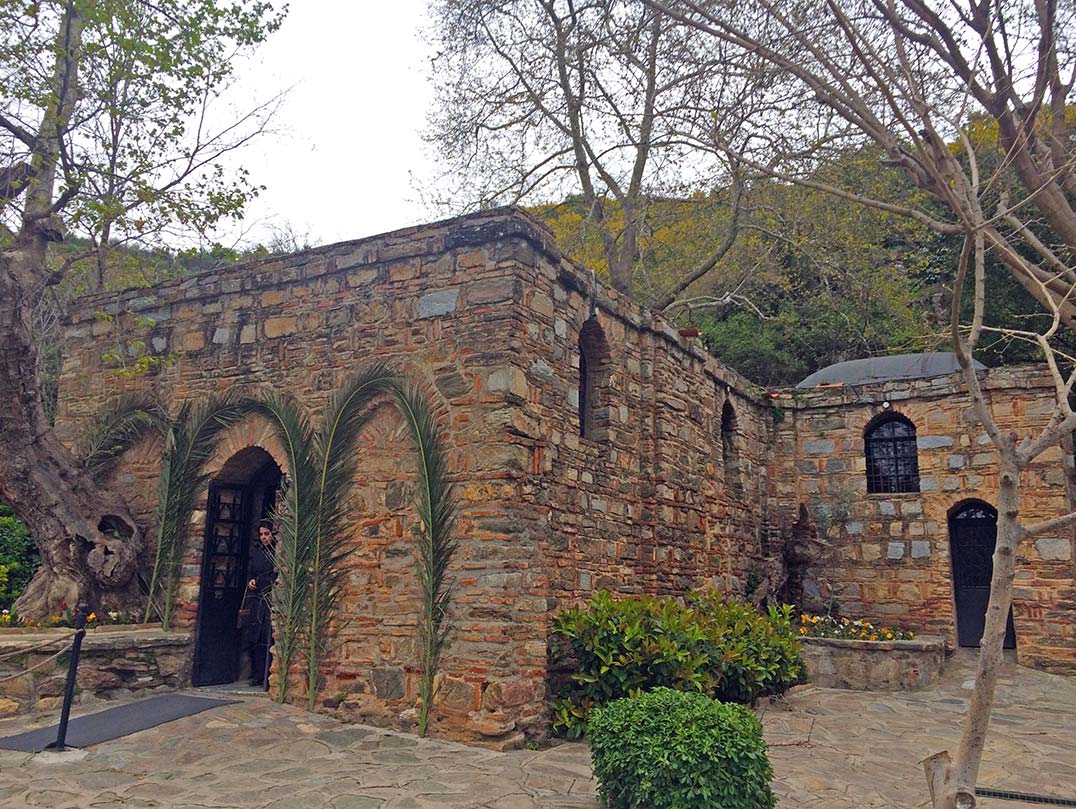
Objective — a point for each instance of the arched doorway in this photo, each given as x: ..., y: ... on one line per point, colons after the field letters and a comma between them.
x: 973, y: 528
x: 242, y: 493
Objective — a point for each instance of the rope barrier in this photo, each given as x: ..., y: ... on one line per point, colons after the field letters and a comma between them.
x: 26, y: 649
x: 33, y: 668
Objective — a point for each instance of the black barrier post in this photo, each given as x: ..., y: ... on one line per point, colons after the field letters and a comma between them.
x: 72, y: 670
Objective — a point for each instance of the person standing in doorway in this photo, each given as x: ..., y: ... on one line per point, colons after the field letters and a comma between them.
x: 258, y: 634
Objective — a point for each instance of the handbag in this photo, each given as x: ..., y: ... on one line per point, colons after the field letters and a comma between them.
x: 242, y: 619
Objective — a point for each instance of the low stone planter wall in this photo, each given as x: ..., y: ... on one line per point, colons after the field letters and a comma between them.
x: 116, y: 661
x: 865, y: 665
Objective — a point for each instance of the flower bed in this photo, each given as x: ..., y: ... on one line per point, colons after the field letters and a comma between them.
x: 830, y: 626
x: 116, y: 661
x: 856, y: 654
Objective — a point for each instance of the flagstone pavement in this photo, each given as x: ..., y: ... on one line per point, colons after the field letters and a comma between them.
x: 829, y: 749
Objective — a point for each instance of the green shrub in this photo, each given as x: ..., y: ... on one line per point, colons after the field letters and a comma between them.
x: 18, y: 556
x: 760, y: 654
x: 719, y: 648
x: 668, y: 749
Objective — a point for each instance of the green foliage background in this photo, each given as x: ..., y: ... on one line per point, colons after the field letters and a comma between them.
x: 18, y: 557
x: 830, y: 280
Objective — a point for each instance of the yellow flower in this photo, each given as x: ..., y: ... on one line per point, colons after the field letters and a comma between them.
x: 814, y: 620
x: 803, y: 630
x: 911, y: 634
x: 91, y: 617
x: 874, y: 637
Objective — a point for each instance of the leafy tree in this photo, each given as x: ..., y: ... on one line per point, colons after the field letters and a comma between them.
x: 537, y: 99
x: 914, y: 77
x: 105, y: 133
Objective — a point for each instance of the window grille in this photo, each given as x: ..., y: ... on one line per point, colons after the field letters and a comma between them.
x: 892, y: 457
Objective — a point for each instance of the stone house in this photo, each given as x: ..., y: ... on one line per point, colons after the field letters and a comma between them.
x: 592, y: 447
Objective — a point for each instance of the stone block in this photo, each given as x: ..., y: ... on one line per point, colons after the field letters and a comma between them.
x: 1054, y: 549
x: 507, y: 694
x: 818, y: 446
x: 8, y: 706
x: 450, y: 383
x: 894, y: 551
x: 388, y: 682
x: 438, y: 303
x: 361, y: 278
x: 887, y: 508
x: 457, y: 694
x: 493, y: 290
x: 934, y: 441
x: 280, y: 326
x: 920, y: 549
x: 508, y: 379
x: 193, y: 341
x: 273, y: 297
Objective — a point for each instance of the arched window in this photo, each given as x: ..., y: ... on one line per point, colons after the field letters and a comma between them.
x: 594, y: 367
x: 892, y: 456
x: 730, y: 445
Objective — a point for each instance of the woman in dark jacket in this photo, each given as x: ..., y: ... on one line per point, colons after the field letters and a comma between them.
x: 258, y: 634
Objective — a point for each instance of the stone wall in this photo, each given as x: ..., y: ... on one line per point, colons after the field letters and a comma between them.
x: 688, y: 475
x: 113, y: 664
x: 656, y: 501
x: 864, y: 665
x: 888, y: 554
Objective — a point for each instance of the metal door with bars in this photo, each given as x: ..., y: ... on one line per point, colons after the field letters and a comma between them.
x: 972, y: 536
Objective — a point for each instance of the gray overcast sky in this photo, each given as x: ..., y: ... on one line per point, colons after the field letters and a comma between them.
x: 346, y: 143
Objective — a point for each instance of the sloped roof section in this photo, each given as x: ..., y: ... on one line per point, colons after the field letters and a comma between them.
x: 884, y: 369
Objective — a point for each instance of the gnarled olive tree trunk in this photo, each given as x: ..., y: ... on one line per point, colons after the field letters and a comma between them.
x: 88, y: 541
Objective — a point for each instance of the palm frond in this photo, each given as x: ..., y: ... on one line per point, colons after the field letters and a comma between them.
x: 437, y: 511
x: 188, y: 447
x: 346, y: 416
x: 296, y: 527
x: 119, y: 427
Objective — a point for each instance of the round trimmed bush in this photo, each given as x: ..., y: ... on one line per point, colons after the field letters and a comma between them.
x: 666, y: 749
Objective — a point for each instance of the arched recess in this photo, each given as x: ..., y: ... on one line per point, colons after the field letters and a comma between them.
x: 892, y: 453
x: 595, y: 366
x: 242, y: 492
x: 972, y: 537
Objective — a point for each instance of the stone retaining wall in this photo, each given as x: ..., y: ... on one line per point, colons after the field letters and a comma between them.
x: 864, y: 665
x: 112, y: 664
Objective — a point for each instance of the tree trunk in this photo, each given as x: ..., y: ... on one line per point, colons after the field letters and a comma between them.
x: 88, y: 541
x: 953, y: 786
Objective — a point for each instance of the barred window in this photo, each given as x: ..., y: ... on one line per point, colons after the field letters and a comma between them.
x: 892, y: 456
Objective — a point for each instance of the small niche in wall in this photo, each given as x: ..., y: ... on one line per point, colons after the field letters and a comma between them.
x: 594, y: 375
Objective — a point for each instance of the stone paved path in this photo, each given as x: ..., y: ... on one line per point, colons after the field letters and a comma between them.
x: 829, y: 749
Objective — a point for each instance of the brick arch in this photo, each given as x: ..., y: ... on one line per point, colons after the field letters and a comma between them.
x: 864, y: 423
x: 251, y: 431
